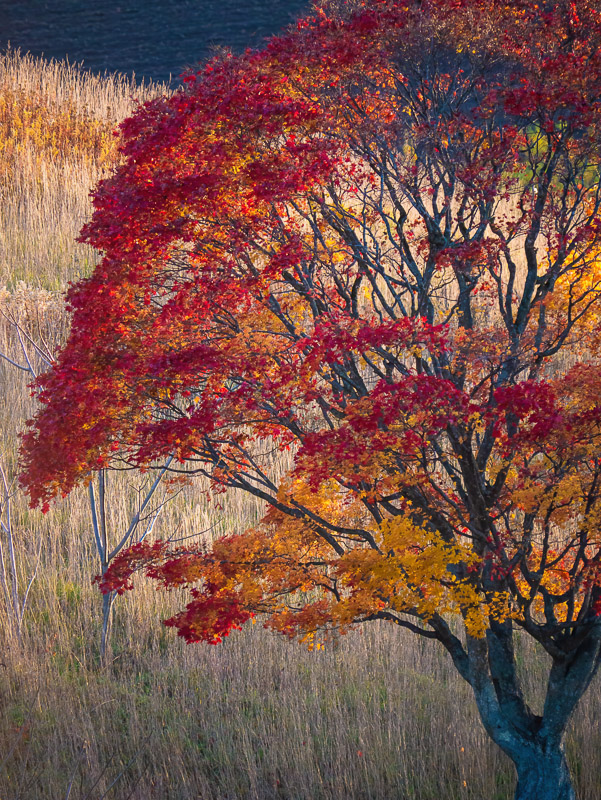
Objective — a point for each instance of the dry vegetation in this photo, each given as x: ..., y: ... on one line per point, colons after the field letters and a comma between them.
x: 381, y: 715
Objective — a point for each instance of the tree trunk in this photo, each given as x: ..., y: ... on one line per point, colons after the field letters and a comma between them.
x: 105, y: 638
x: 543, y: 774
x: 533, y: 743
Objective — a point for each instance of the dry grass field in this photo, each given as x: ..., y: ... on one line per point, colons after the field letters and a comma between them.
x: 377, y: 716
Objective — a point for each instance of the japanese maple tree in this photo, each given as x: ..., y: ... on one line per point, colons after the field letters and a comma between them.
x: 357, y: 275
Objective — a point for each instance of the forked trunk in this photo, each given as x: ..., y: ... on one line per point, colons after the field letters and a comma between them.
x: 532, y: 742
x: 543, y: 775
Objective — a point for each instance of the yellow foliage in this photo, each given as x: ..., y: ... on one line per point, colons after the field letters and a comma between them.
x: 415, y: 571
x: 30, y: 120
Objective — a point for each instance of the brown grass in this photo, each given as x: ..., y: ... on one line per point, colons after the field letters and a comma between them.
x: 380, y: 715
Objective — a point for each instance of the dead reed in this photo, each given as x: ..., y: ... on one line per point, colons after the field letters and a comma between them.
x: 56, y: 141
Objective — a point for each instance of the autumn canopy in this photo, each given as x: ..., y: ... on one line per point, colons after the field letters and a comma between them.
x: 357, y: 275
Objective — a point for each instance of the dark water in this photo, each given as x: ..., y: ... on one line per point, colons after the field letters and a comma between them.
x: 153, y: 38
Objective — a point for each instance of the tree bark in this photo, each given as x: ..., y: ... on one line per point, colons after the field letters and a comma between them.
x: 533, y: 743
x: 105, y: 637
x: 543, y: 774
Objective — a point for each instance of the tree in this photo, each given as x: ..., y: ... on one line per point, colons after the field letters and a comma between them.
x: 357, y: 275
x: 36, y: 352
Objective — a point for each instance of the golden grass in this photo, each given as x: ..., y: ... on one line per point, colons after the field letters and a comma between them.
x: 56, y: 141
x: 381, y: 715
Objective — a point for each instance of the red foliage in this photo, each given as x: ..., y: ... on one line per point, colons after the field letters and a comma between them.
x: 373, y: 244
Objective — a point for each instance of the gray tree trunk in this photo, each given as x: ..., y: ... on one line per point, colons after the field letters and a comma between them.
x: 543, y: 775
x: 107, y: 616
x: 532, y: 742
